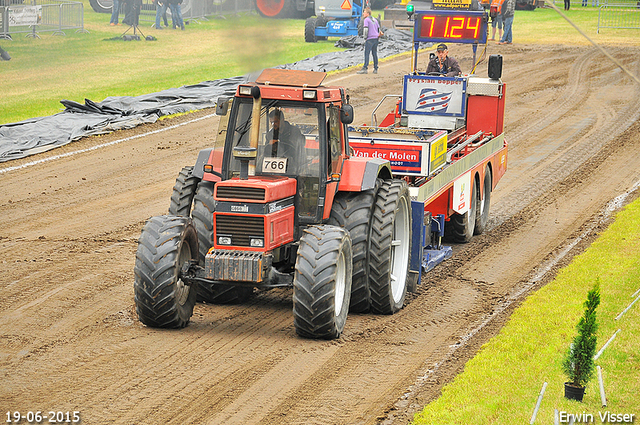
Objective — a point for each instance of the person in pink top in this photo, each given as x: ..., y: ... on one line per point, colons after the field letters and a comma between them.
x: 371, y: 33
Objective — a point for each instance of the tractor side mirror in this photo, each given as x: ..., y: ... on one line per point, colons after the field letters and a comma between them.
x: 495, y: 67
x: 222, y: 106
x: 346, y: 114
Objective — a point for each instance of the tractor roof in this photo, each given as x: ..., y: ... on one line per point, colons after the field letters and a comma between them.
x: 291, y: 77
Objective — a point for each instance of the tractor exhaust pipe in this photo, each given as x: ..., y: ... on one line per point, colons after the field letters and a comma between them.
x: 247, y: 154
x: 255, y: 117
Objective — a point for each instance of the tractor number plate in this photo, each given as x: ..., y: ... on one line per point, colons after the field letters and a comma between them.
x: 274, y: 165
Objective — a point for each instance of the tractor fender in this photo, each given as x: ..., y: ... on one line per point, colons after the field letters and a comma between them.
x: 360, y: 174
x: 203, y: 158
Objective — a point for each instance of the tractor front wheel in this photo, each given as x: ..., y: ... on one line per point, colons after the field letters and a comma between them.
x: 310, y: 30
x: 322, y: 282
x: 161, y: 297
x: 390, y: 250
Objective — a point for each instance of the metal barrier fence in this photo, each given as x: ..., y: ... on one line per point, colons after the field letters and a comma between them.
x: 192, y: 10
x: 40, y: 16
x: 598, y: 3
x: 620, y: 15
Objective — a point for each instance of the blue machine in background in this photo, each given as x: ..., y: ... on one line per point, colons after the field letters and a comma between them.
x: 334, y: 18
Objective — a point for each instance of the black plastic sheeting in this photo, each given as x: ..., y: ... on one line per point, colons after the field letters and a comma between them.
x: 19, y: 140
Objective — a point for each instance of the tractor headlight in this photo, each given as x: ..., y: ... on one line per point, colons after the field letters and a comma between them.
x: 309, y: 94
x: 245, y: 90
x: 224, y: 240
x: 257, y: 242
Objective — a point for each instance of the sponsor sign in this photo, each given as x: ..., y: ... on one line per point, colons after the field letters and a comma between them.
x: 452, y: 4
x: 438, y: 154
x: 405, y: 158
x: 440, y: 96
x: 461, y: 200
x: 24, y: 15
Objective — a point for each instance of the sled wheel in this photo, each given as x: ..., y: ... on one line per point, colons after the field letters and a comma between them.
x: 165, y: 245
x: 461, y: 226
x: 353, y: 212
x: 322, y: 282
x: 183, y: 192
x: 390, y: 250
x: 482, y: 211
x: 310, y: 30
x: 203, y: 207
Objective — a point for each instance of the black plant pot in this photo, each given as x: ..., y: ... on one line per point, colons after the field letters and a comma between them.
x: 572, y: 392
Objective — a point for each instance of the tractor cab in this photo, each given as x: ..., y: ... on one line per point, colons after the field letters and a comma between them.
x: 290, y: 136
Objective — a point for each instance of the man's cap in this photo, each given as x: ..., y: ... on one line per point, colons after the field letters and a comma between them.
x: 442, y: 46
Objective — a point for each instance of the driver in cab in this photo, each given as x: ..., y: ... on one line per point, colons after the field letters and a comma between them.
x: 442, y: 64
x: 284, y: 140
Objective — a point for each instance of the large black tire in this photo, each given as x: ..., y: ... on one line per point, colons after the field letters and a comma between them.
x: 310, y: 30
x: 101, y: 6
x: 390, y: 251
x: 165, y: 245
x: 460, y: 227
x: 183, y: 192
x: 321, y: 21
x: 322, y: 282
x: 482, y: 211
x: 203, y: 207
x: 281, y: 9
x: 354, y: 213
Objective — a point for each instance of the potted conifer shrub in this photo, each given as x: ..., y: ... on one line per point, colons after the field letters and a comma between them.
x: 578, y: 362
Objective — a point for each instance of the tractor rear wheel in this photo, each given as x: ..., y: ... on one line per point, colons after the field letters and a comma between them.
x: 101, y: 6
x: 461, y: 226
x: 183, y: 192
x: 322, y: 282
x: 354, y: 212
x: 482, y: 211
x: 165, y: 245
x: 310, y: 30
x: 276, y: 8
x: 203, y: 207
x: 390, y: 250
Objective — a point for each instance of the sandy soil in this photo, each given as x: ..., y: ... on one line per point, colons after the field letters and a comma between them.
x: 70, y: 339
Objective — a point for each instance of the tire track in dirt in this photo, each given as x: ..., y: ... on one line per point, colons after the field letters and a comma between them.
x: 83, y: 347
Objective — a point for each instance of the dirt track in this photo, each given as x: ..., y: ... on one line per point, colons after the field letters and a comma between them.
x: 70, y: 339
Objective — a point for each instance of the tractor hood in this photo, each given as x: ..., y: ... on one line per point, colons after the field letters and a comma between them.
x: 255, y: 189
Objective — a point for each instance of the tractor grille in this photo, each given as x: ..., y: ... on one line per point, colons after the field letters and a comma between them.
x: 240, y: 193
x: 241, y: 228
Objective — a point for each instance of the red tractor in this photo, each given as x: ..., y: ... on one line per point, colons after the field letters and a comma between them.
x: 292, y: 195
x: 290, y: 206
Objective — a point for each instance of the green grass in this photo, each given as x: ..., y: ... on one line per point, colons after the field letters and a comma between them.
x: 546, y: 26
x: 500, y: 385
x: 77, y: 66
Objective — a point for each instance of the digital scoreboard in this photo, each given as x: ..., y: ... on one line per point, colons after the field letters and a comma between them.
x: 451, y: 26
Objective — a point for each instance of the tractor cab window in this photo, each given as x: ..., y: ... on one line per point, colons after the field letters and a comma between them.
x: 288, y: 145
x: 334, y: 127
x: 288, y: 141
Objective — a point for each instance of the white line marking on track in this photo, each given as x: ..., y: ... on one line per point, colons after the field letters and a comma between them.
x: 104, y: 145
